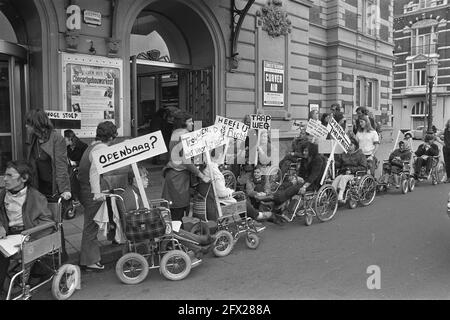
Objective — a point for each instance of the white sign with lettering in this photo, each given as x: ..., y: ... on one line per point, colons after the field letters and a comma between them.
x: 338, y: 134
x: 235, y: 129
x: 260, y: 121
x: 202, y: 140
x: 316, y: 129
x: 129, y: 152
x: 63, y: 115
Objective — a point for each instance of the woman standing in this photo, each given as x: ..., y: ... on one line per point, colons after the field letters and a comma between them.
x: 445, y: 137
x: 177, y: 172
x: 47, y: 154
x: 91, y: 196
x: 368, y: 141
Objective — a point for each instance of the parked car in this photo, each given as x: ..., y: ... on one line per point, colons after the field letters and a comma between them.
x: 418, y: 133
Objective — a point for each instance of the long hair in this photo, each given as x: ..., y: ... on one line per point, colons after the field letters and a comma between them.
x: 180, y: 120
x: 367, y: 127
x: 39, y: 121
x: 69, y: 134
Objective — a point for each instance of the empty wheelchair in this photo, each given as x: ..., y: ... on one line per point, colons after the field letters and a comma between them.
x: 405, y: 176
x: 46, y: 251
x: 162, y: 249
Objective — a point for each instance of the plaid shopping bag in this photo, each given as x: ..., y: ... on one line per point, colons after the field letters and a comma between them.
x: 144, y: 224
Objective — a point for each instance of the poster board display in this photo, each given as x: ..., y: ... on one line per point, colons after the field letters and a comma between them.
x: 93, y: 86
x: 273, y: 84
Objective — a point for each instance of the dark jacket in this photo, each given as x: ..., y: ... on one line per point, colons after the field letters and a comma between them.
x: 404, y: 155
x: 311, y: 171
x: 76, y: 153
x: 56, y: 148
x: 252, y: 187
x: 34, y: 211
x: 433, y: 151
x: 354, y: 161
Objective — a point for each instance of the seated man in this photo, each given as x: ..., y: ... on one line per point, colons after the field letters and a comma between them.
x: 347, y: 164
x: 395, y: 165
x: 425, y: 153
x: 21, y: 207
x: 257, y: 186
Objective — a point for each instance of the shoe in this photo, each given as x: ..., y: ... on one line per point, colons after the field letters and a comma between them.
x: 285, y: 217
x: 397, y: 186
x: 94, y: 267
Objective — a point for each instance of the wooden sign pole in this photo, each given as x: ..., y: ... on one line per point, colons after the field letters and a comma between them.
x: 396, y: 140
x: 330, y: 162
x: 225, y: 150
x: 257, y: 146
x: 211, y: 173
x: 140, y: 185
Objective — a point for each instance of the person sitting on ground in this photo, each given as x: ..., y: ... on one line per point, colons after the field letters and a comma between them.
x: 22, y: 207
x: 425, y: 153
x: 132, y: 200
x: 395, y: 165
x: 347, y: 164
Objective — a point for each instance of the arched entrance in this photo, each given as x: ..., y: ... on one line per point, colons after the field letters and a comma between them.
x: 177, y: 61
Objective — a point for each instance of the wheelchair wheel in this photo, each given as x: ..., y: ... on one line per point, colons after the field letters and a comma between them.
x: 230, y: 179
x: 308, y: 219
x: 404, y: 184
x: 252, y: 240
x: 367, y: 190
x: 175, y: 265
x: 381, y: 188
x: 224, y: 243
x: 275, y: 177
x: 132, y: 268
x: 440, y: 174
x: 411, y: 184
x: 325, y: 204
x: 352, y: 203
x: 70, y: 213
x: 65, y: 281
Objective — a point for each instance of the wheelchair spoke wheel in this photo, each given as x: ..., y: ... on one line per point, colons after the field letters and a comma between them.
x: 411, y: 184
x: 175, y: 265
x: 351, y: 202
x: 308, y: 219
x: 230, y: 179
x: 200, y: 228
x: 224, y: 243
x: 65, y: 282
x: 132, y: 268
x: 404, y: 184
x: 252, y: 240
x: 440, y: 174
x: 367, y: 190
x: 274, y: 177
x: 325, y: 204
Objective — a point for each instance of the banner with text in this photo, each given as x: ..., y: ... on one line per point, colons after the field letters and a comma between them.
x: 202, y: 140
x: 316, y: 129
x: 64, y: 119
x: 338, y: 134
x: 234, y: 129
x: 129, y: 152
x: 260, y: 121
x: 273, y: 84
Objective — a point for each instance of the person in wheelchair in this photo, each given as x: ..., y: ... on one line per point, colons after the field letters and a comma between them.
x: 132, y: 200
x: 395, y: 164
x: 347, y: 164
x: 22, y: 207
x: 425, y: 153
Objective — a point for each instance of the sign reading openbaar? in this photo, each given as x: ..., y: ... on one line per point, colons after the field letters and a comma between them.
x: 129, y: 152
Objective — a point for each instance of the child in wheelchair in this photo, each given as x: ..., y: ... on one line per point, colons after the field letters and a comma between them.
x: 395, y: 164
x: 22, y: 207
x: 425, y: 153
x: 347, y: 164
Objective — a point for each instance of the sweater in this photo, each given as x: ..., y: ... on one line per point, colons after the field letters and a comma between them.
x: 355, y: 161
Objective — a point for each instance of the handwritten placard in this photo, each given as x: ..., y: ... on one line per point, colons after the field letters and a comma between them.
x: 338, y: 134
x: 202, y: 140
x: 129, y: 152
x: 260, y: 121
x: 316, y: 129
x: 234, y: 129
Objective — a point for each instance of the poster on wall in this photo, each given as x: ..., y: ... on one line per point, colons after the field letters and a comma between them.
x: 92, y: 86
x: 273, y: 84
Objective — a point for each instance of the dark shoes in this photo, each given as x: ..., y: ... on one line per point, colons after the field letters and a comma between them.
x: 93, y: 267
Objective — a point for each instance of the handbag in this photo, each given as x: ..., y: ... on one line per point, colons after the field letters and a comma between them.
x: 144, y: 224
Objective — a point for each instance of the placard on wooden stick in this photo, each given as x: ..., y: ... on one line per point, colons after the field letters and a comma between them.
x: 130, y: 152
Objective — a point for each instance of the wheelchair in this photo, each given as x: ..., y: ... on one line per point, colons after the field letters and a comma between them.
x: 65, y: 278
x: 361, y: 189
x: 437, y: 173
x: 169, y: 253
x: 71, y: 208
x: 228, y: 228
x: 386, y: 180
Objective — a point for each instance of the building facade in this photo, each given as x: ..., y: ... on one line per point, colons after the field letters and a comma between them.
x: 421, y: 38
x: 122, y: 60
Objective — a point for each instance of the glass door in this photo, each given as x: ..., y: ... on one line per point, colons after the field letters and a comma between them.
x: 5, y: 117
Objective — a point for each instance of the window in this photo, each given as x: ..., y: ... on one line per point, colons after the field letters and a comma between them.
x: 372, y: 17
x: 366, y: 93
x: 423, y: 43
x: 420, y: 109
x: 411, y: 6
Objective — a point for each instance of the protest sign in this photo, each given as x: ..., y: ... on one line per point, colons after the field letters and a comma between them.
x: 260, y: 121
x: 64, y: 119
x: 128, y: 152
x: 316, y: 129
x: 338, y: 134
x: 202, y: 140
x: 234, y: 129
